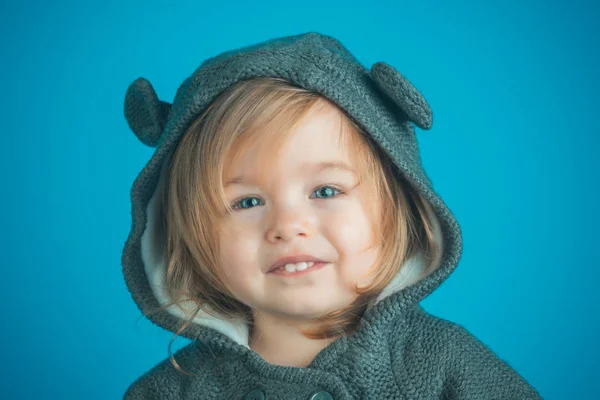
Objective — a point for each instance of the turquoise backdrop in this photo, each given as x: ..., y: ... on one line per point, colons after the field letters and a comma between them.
x: 513, y: 151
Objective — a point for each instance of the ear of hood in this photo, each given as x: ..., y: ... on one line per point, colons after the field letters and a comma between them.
x: 145, y: 113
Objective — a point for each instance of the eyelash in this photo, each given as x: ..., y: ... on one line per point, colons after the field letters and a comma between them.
x: 236, y: 205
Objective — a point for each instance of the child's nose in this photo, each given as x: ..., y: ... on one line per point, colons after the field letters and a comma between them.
x: 288, y: 224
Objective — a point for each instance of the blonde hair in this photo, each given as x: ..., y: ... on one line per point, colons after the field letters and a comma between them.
x: 268, y: 108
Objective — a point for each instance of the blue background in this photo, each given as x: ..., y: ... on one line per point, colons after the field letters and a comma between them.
x: 513, y: 151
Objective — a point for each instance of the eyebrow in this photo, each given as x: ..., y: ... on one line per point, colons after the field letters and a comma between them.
x: 315, y: 168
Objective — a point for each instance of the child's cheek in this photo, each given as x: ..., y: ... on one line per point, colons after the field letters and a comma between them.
x: 238, y: 249
x: 351, y: 226
x: 351, y: 235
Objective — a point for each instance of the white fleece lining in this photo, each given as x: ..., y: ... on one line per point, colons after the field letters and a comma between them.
x: 153, y: 249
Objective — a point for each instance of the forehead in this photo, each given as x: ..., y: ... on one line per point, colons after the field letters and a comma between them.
x: 318, y: 141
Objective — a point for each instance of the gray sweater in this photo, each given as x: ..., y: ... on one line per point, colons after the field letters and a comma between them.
x: 399, y: 351
x: 396, y: 355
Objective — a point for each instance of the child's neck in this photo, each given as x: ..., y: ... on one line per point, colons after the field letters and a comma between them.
x: 280, y: 343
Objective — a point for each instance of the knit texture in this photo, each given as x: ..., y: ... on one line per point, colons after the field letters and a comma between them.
x: 413, y: 356
x: 399, y: 351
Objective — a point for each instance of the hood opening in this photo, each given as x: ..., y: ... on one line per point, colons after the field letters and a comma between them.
x: 153, y: 253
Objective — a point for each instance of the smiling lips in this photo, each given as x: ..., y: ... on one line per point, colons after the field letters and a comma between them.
x: 301, y: 268
x: 295, y: 259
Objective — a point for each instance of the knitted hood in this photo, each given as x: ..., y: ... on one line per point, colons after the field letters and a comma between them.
x: 384, y: 102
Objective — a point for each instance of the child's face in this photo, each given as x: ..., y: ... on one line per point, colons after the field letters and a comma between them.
x: 293, y: 214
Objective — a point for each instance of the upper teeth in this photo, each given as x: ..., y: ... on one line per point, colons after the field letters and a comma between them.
x: 301, y: 266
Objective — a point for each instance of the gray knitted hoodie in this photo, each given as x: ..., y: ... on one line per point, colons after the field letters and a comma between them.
x: 399, y: 350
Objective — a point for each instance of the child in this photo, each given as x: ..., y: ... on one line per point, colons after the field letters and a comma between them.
x: 285, y: 224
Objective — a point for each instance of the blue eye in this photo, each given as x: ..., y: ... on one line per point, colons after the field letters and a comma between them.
x: 327, y: 191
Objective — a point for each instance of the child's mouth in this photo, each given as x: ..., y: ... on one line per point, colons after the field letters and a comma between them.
x: 281, y: 271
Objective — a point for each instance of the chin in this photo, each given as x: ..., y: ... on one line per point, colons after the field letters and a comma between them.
x: 307, y: 312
